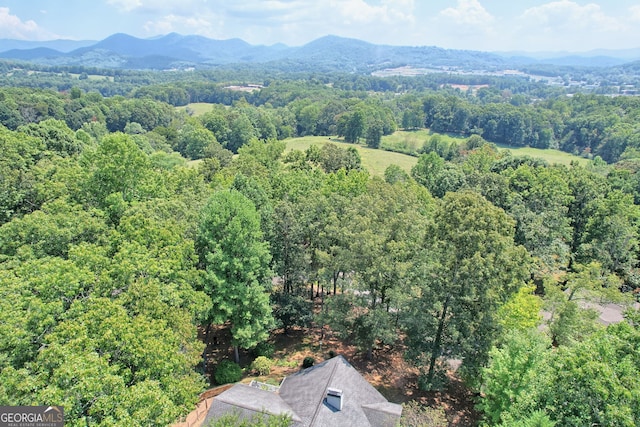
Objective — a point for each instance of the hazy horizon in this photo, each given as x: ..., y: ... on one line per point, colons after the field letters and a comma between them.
x: 484, y: 25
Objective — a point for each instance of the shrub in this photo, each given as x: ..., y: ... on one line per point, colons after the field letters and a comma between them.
x: 264, y: 348
x: 308, y: 362
x: 262, y: 365
x: 332, y: 354
x: 227, y: 372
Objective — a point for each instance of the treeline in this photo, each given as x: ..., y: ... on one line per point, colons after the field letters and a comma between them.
x: 159, y: 126
x: 601, y: 80
x: 586, y: 125
x: 111, y: 82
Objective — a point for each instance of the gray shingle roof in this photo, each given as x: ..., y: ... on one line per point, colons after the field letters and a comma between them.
x: 249, y: 402
x: 306, y: 390
x: 384, y: 414
x: 303, y: 396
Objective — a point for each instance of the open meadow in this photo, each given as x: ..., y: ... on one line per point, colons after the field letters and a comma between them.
x: 402, y: 141
x: 375, y: 161
x: 412, y: 142
x: 550, y: 155
x: 196, y: 108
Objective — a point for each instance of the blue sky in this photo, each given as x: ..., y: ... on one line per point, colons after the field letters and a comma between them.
x: 488, y: 25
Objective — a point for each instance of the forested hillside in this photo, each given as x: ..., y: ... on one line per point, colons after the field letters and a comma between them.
x: 326, y: 54
x: 115, y: 247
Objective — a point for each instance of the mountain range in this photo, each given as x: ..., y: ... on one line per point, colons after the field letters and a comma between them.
x: 329, y: 53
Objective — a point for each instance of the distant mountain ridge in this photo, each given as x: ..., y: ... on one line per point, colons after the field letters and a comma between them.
x: 329, y: 53
x: 60, y: 45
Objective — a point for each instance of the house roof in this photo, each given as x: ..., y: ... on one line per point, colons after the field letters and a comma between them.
x: 306, y: 390
x: 303, y: 396
x: 382, y: 414
x: 249, y: 402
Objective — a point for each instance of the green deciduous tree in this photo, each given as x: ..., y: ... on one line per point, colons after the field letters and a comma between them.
x: 355, y: 126
x: 236, y: 259
x: 18, y: 155
x: 587, y: 190
x: 288, y: 245
x: 292, y: 310
x: 56, y: 135
x: 354, y: 319
x: 52, y: 230
x: 383, y: 229
x: 241, y: 131
x: 109, y: 367
x: 217, y: 123
x: 521, y: 311
x: 468, y: 268
x: 569, y: 322
x: 413, y: 118
x: 516, y: 377
x: 427, y: 169
x: 394, y: 173
x: 333, y: 158
x: 539, y: 203
x: 374, y: 134
x: 116, y: 168
x: 595, y: 382
x: 611, y: 234
x: 193, y: 140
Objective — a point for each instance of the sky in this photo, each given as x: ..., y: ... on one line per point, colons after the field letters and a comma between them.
x: 486, y: 25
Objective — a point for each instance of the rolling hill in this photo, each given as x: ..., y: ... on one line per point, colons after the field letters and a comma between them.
x: 329, y: 53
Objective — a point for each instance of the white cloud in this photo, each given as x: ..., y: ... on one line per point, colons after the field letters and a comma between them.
x: 360, y: 11
x: 202, y: 25
x: 125, y: 5
x: 468, y: 12
x: 294, y: 22
x: 468, y: 25
x: 386, y: 21
x: 158, y: 7
x: 461, y: 24
x: 634, y: 13
x: 569, y: 15
x: 322, y: 13
x: 568, y: 25
x: 12, y: 27
x: 270, y: 12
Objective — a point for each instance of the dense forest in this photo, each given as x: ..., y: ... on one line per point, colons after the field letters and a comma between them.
x: 127, y: 223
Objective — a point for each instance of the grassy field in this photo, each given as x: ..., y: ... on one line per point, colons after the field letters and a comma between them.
x: 375, y: 161
x: 198, y: 108
x: 412, y: 141
x: 551, y: 156
x: 94, y: 77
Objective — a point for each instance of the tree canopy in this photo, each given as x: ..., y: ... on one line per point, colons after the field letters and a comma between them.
x: 127, y: 224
